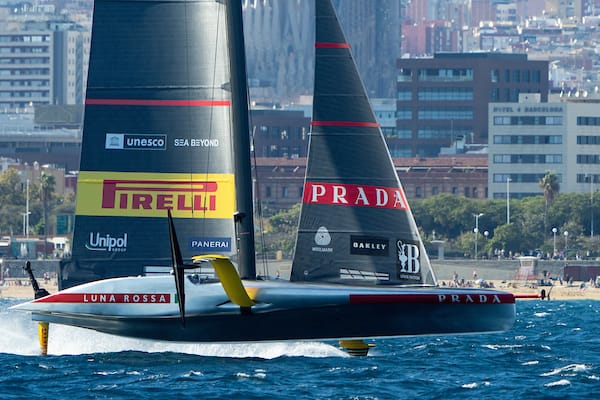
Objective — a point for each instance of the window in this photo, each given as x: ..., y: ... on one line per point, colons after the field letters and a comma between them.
x: 448, y: 113
x: 588, y: 159
x: 404, y: 113
x: 495, y: 95
x: 451, y: 94
x: 528, y: 120
x: 494, y: 76
x: 516, y: 76
x: 527, y: 158
x: 404, y: 75
x: 445, y: 74
x: 529, y: 139
x: 588, y: 121
x: 404, y: 94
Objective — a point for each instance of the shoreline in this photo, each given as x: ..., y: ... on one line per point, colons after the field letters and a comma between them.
x: 556, y: 292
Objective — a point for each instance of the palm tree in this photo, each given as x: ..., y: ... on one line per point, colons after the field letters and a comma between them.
x: 549, y: 184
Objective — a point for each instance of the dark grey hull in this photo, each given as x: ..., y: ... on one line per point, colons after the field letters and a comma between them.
x: 346, y: 321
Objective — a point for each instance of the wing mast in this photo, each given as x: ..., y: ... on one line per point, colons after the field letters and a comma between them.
x: 244, y: 218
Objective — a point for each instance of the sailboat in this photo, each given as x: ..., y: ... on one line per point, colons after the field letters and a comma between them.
x: 164, y: 239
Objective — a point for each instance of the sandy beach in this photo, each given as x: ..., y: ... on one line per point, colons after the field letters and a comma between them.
x: 556, y: 292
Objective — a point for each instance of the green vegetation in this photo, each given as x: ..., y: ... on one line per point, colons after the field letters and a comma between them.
x: 443, y: 217
x: 451, y: 219
x: 530, y: 227
x: 44, y: 204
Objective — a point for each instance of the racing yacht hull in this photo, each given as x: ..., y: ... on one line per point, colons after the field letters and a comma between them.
x: 146, y: 307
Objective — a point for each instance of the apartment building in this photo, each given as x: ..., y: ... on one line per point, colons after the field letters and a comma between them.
x: 445, y: 98
x: 529, y: 138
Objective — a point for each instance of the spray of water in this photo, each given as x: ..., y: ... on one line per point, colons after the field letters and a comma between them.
x: 18, y: 335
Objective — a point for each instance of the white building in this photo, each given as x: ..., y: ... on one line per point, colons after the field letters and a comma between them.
x: 42, y: 66
x: 529, y: 138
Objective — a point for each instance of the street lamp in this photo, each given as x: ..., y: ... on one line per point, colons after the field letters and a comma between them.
x: 591, y: 176
x: 27, y: 212
x: 486, y: 234
x: 24, y: 222
x: 554, y: 230
x: 476, y: 230
x: 566, y: 233
x: 591, y: 206
x: 508, y: 200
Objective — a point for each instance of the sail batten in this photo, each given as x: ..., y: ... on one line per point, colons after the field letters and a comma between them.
x: 166, y: 103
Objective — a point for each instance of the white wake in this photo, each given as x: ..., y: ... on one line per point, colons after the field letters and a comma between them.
x: 18, y: 335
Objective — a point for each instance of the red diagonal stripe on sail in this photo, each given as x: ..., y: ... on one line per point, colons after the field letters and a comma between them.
x: 170, y: 103
x: 345, y: 123
x: 330, y: 45
x: 426, y: 298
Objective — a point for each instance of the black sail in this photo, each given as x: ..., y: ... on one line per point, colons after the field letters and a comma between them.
x: 157, y: 135
x: 356, y: 226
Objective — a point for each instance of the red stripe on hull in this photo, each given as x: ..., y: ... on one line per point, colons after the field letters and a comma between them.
x: 330, y: 45
x: 345, y: 123
x: 427, y: 298
x: 108, y: 298
x: 160, y: 103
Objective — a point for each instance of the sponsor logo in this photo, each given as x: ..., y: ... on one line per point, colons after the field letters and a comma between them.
x: 409, y: 264
x: 99, y: 242
x: 470, y: 298
x: 195, y: 142
x: 322, y: 240
x: 143, y: 194
x: 125, y: 298
x: 211, y: 244
x: 451, y: 298
x: 133, y: 298
x: 159, y: 195
x: 357, y: 274
x: 130, y: 141
x: 354, y: 195
x: 371, y: 246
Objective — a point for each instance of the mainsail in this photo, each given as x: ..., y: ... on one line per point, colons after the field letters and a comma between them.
x: 161, y: 105
x: 356, y: 226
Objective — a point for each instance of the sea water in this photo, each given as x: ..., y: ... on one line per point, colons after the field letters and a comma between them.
x: 553, y: 352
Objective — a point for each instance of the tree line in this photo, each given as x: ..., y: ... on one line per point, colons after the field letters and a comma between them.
x: 538, y: 224
x: 44, y: 204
